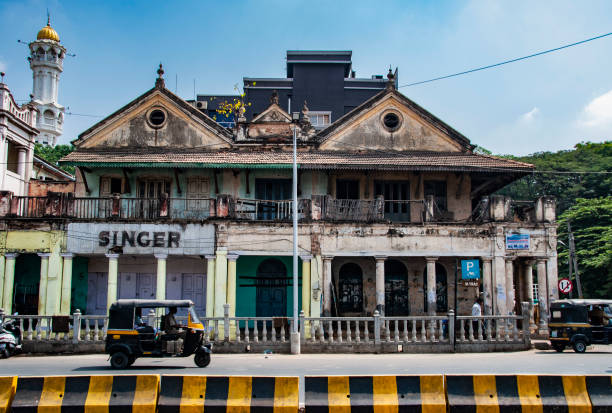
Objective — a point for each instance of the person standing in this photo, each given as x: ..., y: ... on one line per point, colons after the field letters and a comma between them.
x: 477, y: 312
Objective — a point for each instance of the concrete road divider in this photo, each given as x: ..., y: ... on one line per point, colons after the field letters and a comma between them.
x: 7, y: 392
x: 484, y: 393
x: 95, y: 394
x: 380, y: 394
x: 600, y: 393
x: 236, y: 394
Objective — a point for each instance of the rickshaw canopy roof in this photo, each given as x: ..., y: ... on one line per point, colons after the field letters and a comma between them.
x: 124, y: 303
x: 579, y: 303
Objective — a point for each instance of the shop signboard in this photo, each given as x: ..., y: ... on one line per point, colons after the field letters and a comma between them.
x: 136, y: 239
x: 517, y: 241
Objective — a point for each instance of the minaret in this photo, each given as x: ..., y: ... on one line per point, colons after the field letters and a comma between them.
x: 46, y: 59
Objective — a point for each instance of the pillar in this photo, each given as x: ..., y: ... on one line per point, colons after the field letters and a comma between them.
x: 529, y: 287
x: 2, y: 268
x: 510, y: 286
x: 111, y: 292
x: 431, y: 285
x: 487, y: 285
x: 54, y: 276
x: 42, y: 286
x: 553, y: 279
x: 160, y: 292
x: 210, y: 285
x: 306, y: 284
x: 231, y: 283
x: 499, y: 289
x: 542, y: 296
x: 21, y: 170
x: 220, y: 282
x: 316, y: 269
x: 327, y: 280
x: 9, y: 280
x: 380, y: 284
x: 66, y: 297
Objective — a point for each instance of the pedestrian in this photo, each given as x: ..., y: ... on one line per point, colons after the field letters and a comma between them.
x: 477, y: 312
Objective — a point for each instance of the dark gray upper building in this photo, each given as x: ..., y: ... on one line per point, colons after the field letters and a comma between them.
x: 325, y: 79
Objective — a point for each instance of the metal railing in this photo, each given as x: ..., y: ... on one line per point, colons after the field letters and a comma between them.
x: 268, y: 210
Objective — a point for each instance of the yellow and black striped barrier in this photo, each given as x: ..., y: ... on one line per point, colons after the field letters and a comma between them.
x: 92, y: 394
x: 600, y: 393
x: 520, y: 393
x: 380, y: 394
x: 7, y: 392
x: 236, y: 394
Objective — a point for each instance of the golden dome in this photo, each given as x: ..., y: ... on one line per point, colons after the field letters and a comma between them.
x: 47, y: 33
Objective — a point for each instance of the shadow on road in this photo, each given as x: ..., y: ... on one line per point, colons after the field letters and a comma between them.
x: 134, y: 368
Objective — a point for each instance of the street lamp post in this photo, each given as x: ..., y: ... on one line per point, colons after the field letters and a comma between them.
x: 295, y: 335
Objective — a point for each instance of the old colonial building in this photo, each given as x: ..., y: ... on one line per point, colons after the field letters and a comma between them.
x: 170, y: 204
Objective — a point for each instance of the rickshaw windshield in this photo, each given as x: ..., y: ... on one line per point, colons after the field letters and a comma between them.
x: 193, y: 316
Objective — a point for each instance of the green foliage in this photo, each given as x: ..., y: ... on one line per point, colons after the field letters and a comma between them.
x: 54, y: 154
x: 566, y: 187
x: 591, y: 223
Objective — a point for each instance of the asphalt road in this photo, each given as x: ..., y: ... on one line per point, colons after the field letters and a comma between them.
x: 597, y: 360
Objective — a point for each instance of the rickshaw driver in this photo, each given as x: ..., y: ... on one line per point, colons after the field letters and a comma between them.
x: 170, y: 324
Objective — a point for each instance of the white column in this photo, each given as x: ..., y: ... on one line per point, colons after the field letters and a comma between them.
x: 431, y: 286
x: 529, y: 287
x: 66, y: 298
x: 220, y: 282
x: 327, y: 280
x: 510, y: 286
x: 231, y: 283
x: 210, y: 285
x: 380, y: 284
x: 42, y: 286
x: 113, y: 266
x: 9, y: 281
x: 487, y: 285
x: 499, y: 275
x: 2, y: 269
x: 542, y: 296
x: 160, y: 292
x: 306, y: 284
x: 553, y: 279
x: 21, y: 169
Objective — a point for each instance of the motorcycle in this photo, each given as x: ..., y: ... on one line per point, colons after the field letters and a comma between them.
x: 10, y: 339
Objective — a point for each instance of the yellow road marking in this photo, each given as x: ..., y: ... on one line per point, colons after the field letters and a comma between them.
x: 52, y: 395
x: 194, y: 394
x: 286, y: 395
x: 239, y: 395
x: 7, y: 392
x: 385, y: 394
x: 145, y: 396
x: 337, y: 394
x: 433, y: 399
x: 485, y: 394
x: 529, y: 393
x: 576, y: 394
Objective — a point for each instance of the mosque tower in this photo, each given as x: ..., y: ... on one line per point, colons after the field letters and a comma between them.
x: 46, y: 60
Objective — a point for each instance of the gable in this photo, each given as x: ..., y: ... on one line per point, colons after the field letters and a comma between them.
x: 273, y: 113
x: 133, y: 126
x: 364, y: 128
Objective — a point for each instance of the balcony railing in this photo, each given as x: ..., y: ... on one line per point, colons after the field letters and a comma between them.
x: 318, y: 207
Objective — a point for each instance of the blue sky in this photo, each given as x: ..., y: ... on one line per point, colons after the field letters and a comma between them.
x: 546, y: 103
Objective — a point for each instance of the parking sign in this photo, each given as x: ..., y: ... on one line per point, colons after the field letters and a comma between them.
x: 470, y: 269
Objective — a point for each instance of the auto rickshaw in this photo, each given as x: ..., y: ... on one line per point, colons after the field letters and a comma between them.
x: 128, y: 336
x: 580, y: 323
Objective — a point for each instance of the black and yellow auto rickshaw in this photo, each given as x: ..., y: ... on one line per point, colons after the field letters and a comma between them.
x: 129, y: 335
x: 580, y: 323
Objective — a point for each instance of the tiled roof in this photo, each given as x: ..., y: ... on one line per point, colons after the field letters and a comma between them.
x: 387, y: 160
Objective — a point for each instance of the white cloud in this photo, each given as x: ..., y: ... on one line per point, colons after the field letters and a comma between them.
x: 598, y: 112
x: 2, y: 66
x: 530, y: 116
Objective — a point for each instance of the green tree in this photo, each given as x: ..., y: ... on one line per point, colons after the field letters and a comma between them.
x: 591, y: 223
x: 54, y: 154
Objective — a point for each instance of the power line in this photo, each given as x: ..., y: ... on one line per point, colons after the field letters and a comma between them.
x: 505, y: 62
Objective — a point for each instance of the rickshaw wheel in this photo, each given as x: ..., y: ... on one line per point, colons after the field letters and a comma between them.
x: 119, y: 360
x: 202, y: 359
x: 559, y: 347
x: 580, y: 346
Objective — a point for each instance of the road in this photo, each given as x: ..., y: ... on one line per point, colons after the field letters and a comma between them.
x: 597, y: 360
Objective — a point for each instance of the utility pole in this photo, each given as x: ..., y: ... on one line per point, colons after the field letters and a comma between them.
x: 295, y: 335
x: 573, y: 259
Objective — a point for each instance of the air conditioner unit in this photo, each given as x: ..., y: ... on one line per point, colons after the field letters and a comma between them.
x: 202, y: 104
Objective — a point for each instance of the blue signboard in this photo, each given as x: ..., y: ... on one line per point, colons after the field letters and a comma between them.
x: 517, y: 241
x: 470, y: 269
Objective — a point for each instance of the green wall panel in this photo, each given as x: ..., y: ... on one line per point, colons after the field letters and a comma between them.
x: 79, y: 284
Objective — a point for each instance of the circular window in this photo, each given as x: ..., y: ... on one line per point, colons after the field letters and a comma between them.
x: 391, y: 121
x: 157, y: 117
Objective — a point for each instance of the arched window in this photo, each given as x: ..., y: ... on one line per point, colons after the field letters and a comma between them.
x: 49, y: 116
x: 396, y: 288
x: 441, y: 289
x: 350, y: 289
x: 271, y: 294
